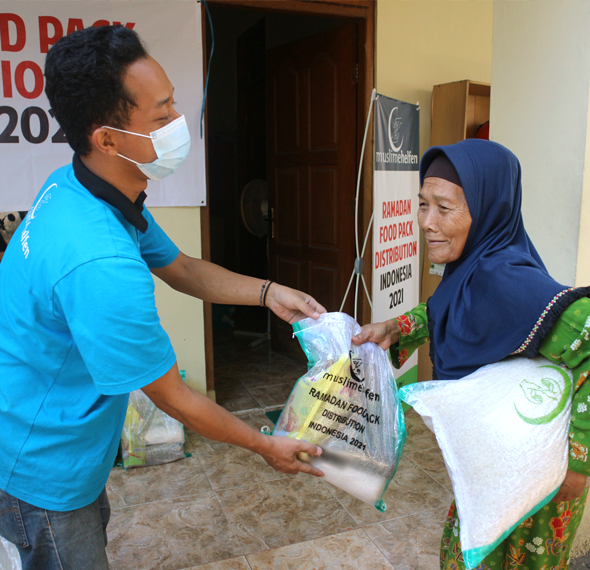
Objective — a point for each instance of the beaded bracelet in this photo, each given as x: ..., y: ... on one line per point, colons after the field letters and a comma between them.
x: 267, y: 288
x: 262, y: 291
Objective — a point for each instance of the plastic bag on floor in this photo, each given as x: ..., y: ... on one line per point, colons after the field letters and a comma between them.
x: 347, y: 404
x: 9, y: 556
x: 503, y: 432
x: 150, y: 436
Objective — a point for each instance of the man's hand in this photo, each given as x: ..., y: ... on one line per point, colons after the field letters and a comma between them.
x: 384, y: 334
x: 200, y: 414
x: 571, y: 488
x: 292, y: 305
x: 281, y: 454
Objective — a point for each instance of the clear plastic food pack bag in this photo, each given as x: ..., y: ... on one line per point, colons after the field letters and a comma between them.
x: 9, y: 556
x: 503, y: 432
x: 347, y: 404
x: 150, y: 436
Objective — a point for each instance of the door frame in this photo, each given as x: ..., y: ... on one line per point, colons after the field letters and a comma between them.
x: 363, y: 13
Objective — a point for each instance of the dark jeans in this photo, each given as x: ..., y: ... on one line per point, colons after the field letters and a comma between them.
x: 56, y: 540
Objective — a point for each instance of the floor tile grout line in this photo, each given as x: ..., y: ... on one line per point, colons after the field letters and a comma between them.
x: 379, y: 523
x: 301, y: 541
x: 248, y: 411
x: 211, y: 485
x: 290, y: 382
x: 428, y: 474
x: 319, y: 537
x: 116, y: 509
x: 257, y: 400
x: 362, y: 524
x: 242, y: 384
x: 228, y: 518
x: 341, y: 504
x: 243, y: 411
x: 377, y: 547
x: 230, y: 524
x: 404, y: 516
x: 252, y: 395
x: 267, y: 361
x: 215, y: 562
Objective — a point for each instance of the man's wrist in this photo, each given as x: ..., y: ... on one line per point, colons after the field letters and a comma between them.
x: 263, y: 291
x: 271, y: 294
x: 266, y: 293
x: 260, y: 443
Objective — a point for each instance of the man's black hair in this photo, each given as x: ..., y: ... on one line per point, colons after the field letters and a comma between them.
x: 84, y: 74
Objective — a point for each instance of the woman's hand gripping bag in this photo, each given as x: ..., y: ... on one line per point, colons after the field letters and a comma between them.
x: 347, y: 404
x: 503, y: 432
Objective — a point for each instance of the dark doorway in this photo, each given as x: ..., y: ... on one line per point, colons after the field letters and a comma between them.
x: 311, y: 110
x: 247, y: 45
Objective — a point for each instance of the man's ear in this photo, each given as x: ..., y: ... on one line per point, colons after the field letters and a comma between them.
x: 103, y: 141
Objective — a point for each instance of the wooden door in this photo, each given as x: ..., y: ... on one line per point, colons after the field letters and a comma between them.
x: 312, y: 165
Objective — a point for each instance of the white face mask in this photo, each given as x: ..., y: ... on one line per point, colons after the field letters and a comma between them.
x: 171, y: 143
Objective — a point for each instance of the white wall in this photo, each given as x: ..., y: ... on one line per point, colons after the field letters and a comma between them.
x: 583, y: 267
x: 422, y: 43
x: 539, y: 110
x: 182, y: 316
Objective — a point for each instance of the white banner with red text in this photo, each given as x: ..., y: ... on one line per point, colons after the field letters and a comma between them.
x: 32, y: 145
x: 396, y: 237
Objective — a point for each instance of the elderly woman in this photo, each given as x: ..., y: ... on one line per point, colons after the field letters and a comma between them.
x: 496, y: 299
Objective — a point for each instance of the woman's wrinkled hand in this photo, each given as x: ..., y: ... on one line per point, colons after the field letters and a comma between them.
x: 292, y: 305
x: 571, y: 488
x: 384, y: 334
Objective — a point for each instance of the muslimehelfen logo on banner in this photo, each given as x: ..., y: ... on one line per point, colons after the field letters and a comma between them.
x: 396, y: 135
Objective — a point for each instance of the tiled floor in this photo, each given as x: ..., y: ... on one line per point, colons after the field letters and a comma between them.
x: 225, y: 509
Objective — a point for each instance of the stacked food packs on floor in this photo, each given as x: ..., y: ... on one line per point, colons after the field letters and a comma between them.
x: 150, y: 436
x: 503, y: 432
x: 9, y: 556
x: 347, y: 404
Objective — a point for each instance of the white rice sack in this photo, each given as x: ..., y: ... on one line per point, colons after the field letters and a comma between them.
x: 503, y: 432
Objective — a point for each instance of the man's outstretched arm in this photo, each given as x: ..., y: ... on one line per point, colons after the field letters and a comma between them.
x: 197, y: 412
x: 215, y: 284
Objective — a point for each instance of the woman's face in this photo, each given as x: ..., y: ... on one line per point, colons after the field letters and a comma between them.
x: 444, y: 218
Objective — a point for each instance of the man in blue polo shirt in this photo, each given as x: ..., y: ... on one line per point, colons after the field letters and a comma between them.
x: 80, y: 327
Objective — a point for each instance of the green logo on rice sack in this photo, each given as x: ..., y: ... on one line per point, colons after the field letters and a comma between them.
x: 547, y: 389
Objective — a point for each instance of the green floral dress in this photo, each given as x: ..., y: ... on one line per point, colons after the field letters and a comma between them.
x: 543, y: 541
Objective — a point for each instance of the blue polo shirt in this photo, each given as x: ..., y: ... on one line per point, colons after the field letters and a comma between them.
x: 79, y: 331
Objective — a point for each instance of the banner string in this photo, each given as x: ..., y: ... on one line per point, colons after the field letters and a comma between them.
x: 358, y: 264
x: 209, y: 63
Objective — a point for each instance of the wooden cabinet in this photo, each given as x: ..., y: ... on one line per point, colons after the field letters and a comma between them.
x: 458, y: 110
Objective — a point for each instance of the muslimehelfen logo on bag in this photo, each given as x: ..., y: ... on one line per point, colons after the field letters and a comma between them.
x: 544, y: 398
x: 356, y: 368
